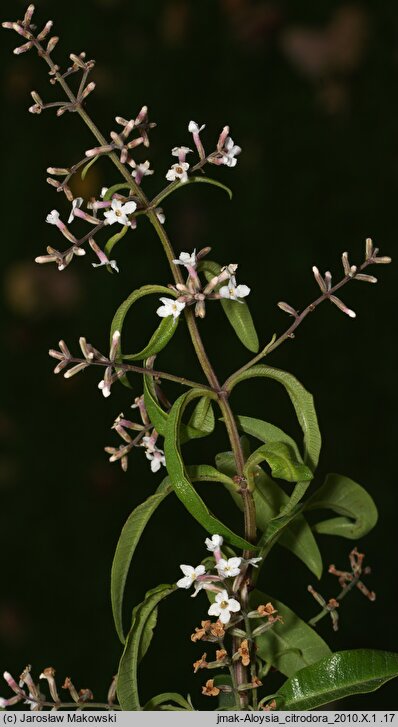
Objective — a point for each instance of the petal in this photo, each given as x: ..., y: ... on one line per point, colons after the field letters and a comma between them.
x: 129, y: 208
x: 225, y: 291
x: 155, y: 465
x: 242, y: 291
x: 234, y: 562
x: 214, y: 610
x: 200, y: 570
x: 184, y: 583
x: 233, y: 605
x: 224, y: 616
x: 163, y: 311
x: 187, y: 570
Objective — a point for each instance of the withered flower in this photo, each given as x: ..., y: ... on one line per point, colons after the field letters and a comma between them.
x: 200, y: 663
x: 209, y: 690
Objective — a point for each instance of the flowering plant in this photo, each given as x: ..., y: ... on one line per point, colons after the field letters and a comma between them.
x: 252, y: 630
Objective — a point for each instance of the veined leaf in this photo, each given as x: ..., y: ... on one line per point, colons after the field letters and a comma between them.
x: 348, y: 499
x: 127, y: 686
x: 339, y: 675
x: 161, y: 702
x: 128, y: 541
x: 182, y: 485
x: 238, y: 313
x: 159, y: 417
x: 270, y: 499
x: 266, y: 432
x: 290, y: 645
x: 203, y: 416
x: 164, y: 331
x: 281, y: 459
x: 303, y: 404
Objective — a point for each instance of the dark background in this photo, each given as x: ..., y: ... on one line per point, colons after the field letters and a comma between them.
x: 310, y: 93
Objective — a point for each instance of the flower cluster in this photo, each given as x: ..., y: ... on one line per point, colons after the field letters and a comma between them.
x: 38, y: 701
x: 146, y: 438
x: 229, y: 610
x: 225, y: 153
x: 194, y: 292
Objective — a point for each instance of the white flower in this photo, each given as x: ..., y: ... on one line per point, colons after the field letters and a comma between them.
x: 229, y: 568
x: 178, y: 151
x: 223, y: 606
x: 142, y: 170
x: 103, y: 192
x: 194, y: 128
x: 229, y: 152
x: 53, y: 217
x: 75, y: 203
x: 119, y: 212
x: 214, y: 543
x: 233, y: 291
x: 190, y: 575
x: 111, y: 263
x: 186, y: 259
x: 156, y: 457
x: 106, y: 391
x: 170, y: 307
x: 178, y: 171
x: 253, y: 561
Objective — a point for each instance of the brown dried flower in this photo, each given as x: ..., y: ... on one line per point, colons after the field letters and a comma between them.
x: 200, y: 663
x: 244, y: 652
x: 209, y: 690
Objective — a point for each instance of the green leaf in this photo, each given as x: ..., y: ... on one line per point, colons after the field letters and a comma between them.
x: 206, y: 473
x: 281, y: 459
x: 147, y: 634
x: 114, y: 239
x: 116, y: 188
x: 158, y: 702
x: 238, y: 313
x: 88, y: 166
x: 226, y: 700
x: 128, y: 541
x: 182, y: 485
x: 344, y: 673
x: 127, y: 686
x: 203, y: 416
x: 303, y: 404
x: 191, y: 180
x: 269, y: 499
x: 266, y: 432
x: 159, y: 417
x: 348, y: 499
x: 290, y: 645
x: 164, y: 331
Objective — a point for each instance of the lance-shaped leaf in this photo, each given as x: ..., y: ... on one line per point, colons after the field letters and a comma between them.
x: 202, y: 415
x: 291, y: 645
x: 164, y: 331
x: 162, y: 702
x: 174, y: 186
x: 266, y: 432
x: 88, y: 166
x: 179, y: 479
x: 303, y: 404
x: 127, y: 544
x: 238, y: 314
x: 115, y: 188
x: 270, y: 499
x: 339, y: 675
x: 127, y: 684
x: 351, y: 501
x: 114, y: 240
x: 281, y: 459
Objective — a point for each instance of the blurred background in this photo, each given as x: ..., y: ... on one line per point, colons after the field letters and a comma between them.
x: 310, y: 93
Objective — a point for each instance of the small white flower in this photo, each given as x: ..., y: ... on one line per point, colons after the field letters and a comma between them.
x: 177, y: 151
x: 253, y: 561
x: 214, y: 543
x: 178, y: 171
x: 233, y: 291
x: 170, y: 307
x: 229, y: 568
x: 194, y: 128
x: 142, y: 170
x: 190, y: 575
x: 156, y: 457
x: 111, y: 263
x: 104, y: 388
x: 223, y: 606
x: 75, y: 203
x: 119, y: 212
x: 229, y: 152
x: 53, y: 217
x: 186, y: 259
x: 103, y: 192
